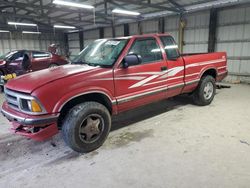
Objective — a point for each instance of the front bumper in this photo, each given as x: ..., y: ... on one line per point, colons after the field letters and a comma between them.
x: 35, y: 127
x: 30, y: 121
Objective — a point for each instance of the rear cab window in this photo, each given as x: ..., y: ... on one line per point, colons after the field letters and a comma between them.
x: 170, y: 47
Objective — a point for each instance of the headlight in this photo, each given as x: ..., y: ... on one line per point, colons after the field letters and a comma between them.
x: 24, y: 103
x: 31, y: 105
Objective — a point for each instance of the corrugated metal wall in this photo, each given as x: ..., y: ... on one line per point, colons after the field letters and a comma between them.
x: 233, y: 36
x: 133, y: 29
x: 74, y: 44
x: 107, y: 32
x: 90, y: 36
x: 150, y: 26
x: 172, y: 26
x: 196, y: 32
x: 119, y: 31
x: 17, y: 41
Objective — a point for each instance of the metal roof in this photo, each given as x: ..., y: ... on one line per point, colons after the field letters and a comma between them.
x: 46, y: 14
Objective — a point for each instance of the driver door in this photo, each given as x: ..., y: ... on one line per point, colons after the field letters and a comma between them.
x: 144, y: 83
x: 15, y: 62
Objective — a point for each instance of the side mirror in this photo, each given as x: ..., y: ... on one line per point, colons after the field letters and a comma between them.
x: 130, y: 60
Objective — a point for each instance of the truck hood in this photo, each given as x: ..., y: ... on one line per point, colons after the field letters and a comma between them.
x: 29, y: 82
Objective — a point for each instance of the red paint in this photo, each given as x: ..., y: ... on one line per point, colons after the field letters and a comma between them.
x: 55, y: 87
x: 42, y: 135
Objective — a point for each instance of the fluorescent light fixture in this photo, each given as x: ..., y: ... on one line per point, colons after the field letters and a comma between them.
x: 72, y: 4
x: 64, y: 27
x: 23, y: 24
x: 31, y: 32
x: 210, y: 4
x: 73, y: 31
x: 4, y: 31
x: 127, y: 12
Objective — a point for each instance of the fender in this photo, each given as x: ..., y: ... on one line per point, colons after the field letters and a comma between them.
x: 209, y: 67
x: 83, y: 91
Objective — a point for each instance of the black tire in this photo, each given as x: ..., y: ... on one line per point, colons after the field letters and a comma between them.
x: 74, y: 123
x: 199, y: 96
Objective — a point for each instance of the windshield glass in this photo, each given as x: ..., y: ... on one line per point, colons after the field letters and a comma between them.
x: 4, y: 56
x: 14, y: 55
x: 101, y: 52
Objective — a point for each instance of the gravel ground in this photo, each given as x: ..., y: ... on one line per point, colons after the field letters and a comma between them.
x: 167, y: 144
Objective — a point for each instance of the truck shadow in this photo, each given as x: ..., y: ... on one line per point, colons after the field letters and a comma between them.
x: 142, y: 113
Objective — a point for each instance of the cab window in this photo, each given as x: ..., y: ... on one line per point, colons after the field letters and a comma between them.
x: 40, y: 54
x: 148, y: 49
x: 170, y: 47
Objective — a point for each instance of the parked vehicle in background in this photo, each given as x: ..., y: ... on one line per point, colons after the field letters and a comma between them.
x: 13, y: 62
x: 109, y: 77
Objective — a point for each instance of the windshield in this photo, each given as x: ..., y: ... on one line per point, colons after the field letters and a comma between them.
x: 14, y: 55
x: 101, y: 52
x: 5, y: 55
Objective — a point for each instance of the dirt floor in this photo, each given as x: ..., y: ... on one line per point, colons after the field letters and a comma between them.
x: 167, y: 144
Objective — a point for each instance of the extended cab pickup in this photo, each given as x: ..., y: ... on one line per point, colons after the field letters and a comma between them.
x: 108, y: 77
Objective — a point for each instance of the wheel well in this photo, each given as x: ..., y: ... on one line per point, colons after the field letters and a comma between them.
x: 211, y: 72
x: 97, y: 97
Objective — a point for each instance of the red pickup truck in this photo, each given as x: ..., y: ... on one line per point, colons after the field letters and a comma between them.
x: 108, y: 77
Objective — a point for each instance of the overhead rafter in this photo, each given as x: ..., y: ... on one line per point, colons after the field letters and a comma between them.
x: 147, y: 5
x: 176, y: 5
x: 47, y: 7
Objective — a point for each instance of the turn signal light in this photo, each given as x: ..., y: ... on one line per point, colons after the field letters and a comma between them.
x: 35, y: 107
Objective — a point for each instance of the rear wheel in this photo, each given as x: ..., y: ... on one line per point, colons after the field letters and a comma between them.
x: 86, y: 126
x: 204, y: 93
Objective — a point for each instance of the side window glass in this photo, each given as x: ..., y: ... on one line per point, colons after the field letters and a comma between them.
x: 148, y: 49
x: 17, y: 56
x: 170, y: 47
x: 40, y: 54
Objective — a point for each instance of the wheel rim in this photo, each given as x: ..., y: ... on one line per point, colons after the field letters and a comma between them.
x: 208, y: 90
x: 91, y: 128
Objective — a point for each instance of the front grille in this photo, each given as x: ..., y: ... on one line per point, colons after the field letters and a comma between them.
x: 12, y: 99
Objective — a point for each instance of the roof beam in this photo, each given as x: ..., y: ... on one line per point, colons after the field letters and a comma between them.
x: 149, y: 5
x: 47, y: 7
x: 177, y: 5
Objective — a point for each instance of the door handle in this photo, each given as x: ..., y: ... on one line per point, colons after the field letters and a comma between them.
x: 164, y: 68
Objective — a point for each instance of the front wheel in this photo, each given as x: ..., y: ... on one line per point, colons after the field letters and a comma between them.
x: 204, y: 93
x: 86, y: 126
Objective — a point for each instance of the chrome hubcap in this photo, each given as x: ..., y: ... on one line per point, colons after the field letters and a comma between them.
x: 208, y: 90
x: 91, y: 128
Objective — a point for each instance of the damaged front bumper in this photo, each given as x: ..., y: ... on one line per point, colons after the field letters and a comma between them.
x: 35, y: 127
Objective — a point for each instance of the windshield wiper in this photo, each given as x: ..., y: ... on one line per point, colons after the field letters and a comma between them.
x: 86, y: 63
